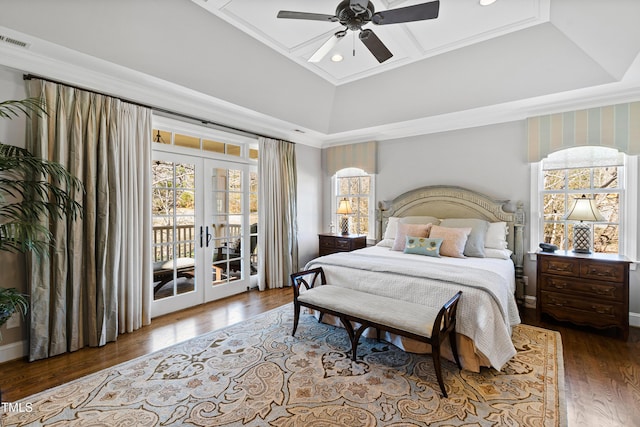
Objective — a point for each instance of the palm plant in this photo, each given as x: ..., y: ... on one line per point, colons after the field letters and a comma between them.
x: 31, y: 188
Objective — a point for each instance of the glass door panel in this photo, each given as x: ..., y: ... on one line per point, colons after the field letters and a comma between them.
x: 225, y: 213
x: 175, y: 238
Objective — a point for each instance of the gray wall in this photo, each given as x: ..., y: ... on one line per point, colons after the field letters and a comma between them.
x: 488, y: 159
x: 309, y: 202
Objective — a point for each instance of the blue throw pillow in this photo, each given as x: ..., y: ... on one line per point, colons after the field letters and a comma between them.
x: 423, y: 246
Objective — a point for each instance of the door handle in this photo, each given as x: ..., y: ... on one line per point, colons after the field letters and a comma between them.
x: 200, y: 236
x: 209, y: 236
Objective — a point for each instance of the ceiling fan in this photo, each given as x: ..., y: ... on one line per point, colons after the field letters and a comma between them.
x: 354, y: 14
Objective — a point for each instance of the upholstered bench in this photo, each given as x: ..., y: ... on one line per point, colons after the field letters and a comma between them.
x: 369, y: 310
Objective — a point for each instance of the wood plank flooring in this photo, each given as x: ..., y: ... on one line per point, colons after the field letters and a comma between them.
x: 602, y: 373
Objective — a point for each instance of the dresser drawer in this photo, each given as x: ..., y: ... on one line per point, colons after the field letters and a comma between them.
x: 603, y: 271
x: 560, y: 266
x: 582, y: 311
x: 343, y: 244
x: 327, y: 242
x: 585, y: 288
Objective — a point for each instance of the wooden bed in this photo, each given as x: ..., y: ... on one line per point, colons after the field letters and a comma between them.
x: 487, y: 315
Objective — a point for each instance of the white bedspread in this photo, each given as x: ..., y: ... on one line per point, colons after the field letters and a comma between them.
x: 487, y: 308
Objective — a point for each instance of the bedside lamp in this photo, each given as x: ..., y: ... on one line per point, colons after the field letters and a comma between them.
x: 344, y: 208
x: 584, y: 209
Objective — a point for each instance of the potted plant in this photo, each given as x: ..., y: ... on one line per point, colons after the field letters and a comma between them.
x: 30, y: 189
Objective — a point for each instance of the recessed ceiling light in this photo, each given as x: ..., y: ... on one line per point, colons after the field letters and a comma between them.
x: 486, y: 2
x: 337, y: 57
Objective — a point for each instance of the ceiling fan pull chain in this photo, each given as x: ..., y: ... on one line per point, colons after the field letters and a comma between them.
x: 353, y: 39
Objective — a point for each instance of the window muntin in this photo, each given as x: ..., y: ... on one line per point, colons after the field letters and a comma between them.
x: 559, y: 189
x: 204, y: 144
x: 357, y: 187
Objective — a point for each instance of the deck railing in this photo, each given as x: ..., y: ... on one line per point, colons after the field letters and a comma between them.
x: 185, y: 240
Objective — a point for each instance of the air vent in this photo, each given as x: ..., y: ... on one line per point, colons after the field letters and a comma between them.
x: 14, y: 42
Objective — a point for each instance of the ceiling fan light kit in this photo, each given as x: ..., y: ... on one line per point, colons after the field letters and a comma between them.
x: 354, y: 14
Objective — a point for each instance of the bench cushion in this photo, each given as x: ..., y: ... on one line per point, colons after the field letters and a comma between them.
x: 406, y: 316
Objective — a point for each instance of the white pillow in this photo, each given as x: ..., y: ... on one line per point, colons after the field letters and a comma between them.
x: 385, y: 243
x: 392, y: 224
x: 496, y: 236
x: 392, y: 229
x: 497, y: 253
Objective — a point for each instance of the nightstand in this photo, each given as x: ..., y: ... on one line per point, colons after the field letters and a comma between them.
x: 584, y: 289
x: 332, y: 243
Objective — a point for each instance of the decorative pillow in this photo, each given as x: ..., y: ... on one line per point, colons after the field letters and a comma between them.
x: 404, y: 230
x: 474, y: 247
x: 454, y: 240
x: 497, y: 253
x: 496, y: 236
x: 422, y: 246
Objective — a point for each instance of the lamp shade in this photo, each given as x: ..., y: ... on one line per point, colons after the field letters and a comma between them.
x: 344, y: 207
x: 584, y: 209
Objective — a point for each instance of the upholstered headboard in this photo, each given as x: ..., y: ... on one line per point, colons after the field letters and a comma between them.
x: 456, y: 202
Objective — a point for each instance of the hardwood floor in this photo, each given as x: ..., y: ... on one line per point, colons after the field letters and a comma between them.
x: 602, y: 373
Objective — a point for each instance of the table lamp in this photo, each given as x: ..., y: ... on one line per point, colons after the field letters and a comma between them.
x: 584, y: 209
x: 344, y: 208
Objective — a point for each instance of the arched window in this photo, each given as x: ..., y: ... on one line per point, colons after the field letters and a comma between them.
x: 357, y: 187
x: 597, y: 172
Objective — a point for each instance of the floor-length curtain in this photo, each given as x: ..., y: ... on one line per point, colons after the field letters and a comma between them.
x: 95, y: 283
x: 277, y: 224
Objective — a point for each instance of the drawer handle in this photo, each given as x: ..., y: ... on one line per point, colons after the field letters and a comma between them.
x: 601, y: 310
x: 600, y: 291
x: 601, y: 273
x: 562, y: 285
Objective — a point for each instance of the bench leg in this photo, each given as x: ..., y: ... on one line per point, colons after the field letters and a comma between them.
x: 435, y: 352
x: 354, y: 336
x: 454, y: 349
x: 296, y: 317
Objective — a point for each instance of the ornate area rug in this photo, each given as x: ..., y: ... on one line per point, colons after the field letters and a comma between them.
x: 254, y: 373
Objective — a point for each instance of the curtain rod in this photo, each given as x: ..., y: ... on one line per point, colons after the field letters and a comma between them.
x: 156, y: 109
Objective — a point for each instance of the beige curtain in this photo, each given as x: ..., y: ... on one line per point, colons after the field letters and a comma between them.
x: 96, y: 281
x: 277, y: 224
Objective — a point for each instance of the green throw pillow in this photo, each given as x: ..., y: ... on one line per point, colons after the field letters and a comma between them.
x: 422, y: 246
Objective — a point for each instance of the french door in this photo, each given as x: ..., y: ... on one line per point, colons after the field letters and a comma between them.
x: 202, y: 239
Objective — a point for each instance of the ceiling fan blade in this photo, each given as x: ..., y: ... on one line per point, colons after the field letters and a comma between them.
x: 327, y: 46
x: 375, y: 45
x: 286, y: 14
x: 418, y: 12
x: 358, y: 6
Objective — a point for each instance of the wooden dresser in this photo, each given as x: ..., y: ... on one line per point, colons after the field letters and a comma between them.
x: 590, y: 290
x: 332, y: 243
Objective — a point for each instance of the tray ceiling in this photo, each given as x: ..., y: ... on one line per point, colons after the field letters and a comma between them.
x: 460, y: 23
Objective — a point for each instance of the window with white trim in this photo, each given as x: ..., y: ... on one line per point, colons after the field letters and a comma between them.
x: 602, y: 173
x: 357, y: 187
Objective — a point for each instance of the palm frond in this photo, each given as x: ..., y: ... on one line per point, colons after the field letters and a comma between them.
x: 13, y: 108
x: 33, y: 191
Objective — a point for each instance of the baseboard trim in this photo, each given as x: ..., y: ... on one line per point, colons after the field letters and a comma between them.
x: 529, y: 301
x: 634, y: 319
x: 15, y: 350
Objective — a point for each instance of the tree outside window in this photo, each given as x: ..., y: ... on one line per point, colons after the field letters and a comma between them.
x: 354, y: 185
x: 562, y: 186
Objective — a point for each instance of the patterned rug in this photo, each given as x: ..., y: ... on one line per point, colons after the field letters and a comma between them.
x: 254, y: 373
